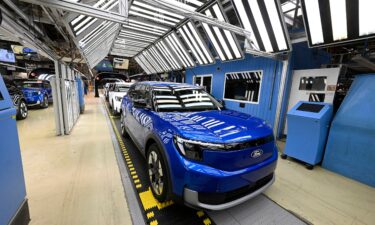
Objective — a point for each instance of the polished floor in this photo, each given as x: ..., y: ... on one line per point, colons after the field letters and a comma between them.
x: 75, y: 179
x: 72, y: 180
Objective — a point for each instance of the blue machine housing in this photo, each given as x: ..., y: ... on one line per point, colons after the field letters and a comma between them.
x: 308, y: 126
x: 81, y: 94
x: 12, y: 184
x: 351, y: 143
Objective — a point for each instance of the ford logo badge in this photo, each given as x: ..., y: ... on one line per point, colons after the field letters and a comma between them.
x: 256, y: 153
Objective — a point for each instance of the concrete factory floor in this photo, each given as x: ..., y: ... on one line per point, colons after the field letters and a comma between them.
x: 75, y: 179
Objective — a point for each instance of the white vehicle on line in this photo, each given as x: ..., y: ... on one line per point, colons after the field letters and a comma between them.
x: 115, y: 95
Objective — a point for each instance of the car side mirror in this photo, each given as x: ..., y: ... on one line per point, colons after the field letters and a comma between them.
x: 140, y: 103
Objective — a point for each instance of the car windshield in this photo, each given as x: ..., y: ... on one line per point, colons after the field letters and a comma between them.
x: 183, y: 100
x: 32, y: 85
x: 121, y: 89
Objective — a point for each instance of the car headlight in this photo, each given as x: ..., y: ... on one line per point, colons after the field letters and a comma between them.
x: 118, y: 98
x: 39, y: 92
x: 192, y: 149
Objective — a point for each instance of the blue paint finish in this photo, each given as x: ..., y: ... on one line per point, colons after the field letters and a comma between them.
x: 307, y: 133
x: 81, y: 94
x: 12, y: 185
x: 271, y: 73
x: 351, y: 143
x: 218, y: 170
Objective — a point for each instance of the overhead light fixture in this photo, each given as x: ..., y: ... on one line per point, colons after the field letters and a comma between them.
x: 264, y: 20
x: 179, y: 50
x: 152, y: 18
x: 338, y: 19
x: 366, y: 17
x: 348, y: 21
x: 159, y: 10
x: 162, y: 46
x: 195, y: 43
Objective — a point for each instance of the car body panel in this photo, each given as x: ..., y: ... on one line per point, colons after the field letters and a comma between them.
x: 35, y: 91
x: 220, y: 170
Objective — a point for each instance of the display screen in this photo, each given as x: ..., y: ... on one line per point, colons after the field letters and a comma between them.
x: 306, y: 107
x: 7, y: 56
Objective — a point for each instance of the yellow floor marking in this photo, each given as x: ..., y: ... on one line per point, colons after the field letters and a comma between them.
x: 150, y: 215
x: 154, y: 222
x: 131, y: 169
x: 133, y: 173
x: 200, y: 213
x: 207, y: 221
x: 135, y: 177
x: 137, y: 181
x: 149, y: 201
x: 138, y: 186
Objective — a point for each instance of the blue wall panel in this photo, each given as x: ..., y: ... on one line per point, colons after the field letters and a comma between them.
x: 266, y: 107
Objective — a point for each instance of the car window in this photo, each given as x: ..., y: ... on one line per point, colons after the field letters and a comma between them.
x: 186, y: 99
x: 32, y: 85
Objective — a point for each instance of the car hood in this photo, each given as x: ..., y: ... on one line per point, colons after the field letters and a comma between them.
x: 225, y: 126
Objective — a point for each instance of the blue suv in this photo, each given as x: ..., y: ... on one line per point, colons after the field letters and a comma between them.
x: 37, y: 92
x: 196, y: 150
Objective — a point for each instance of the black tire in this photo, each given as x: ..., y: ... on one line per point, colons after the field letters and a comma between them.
x: 44, y: 104
x: 283, y: 156
x: 158, y: 173
x: 22, y: 111
x: 124, y: 133
x: 113, y: 109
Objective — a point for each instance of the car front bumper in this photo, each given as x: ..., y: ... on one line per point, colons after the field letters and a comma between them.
x: 33, y: 100
x: 199, y: 185
x: 191, y: 198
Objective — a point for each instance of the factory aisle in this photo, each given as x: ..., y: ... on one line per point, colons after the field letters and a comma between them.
x: 73, y: 179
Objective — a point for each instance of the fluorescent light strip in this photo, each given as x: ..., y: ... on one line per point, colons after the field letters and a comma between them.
x: 182, y: 5
x: 147, y: 63
x: 228, y: 34
x: 172, y: 60
x: 158, y: 15
x: 261, y: 26
x: 338, y: 19
x: 163, y: 59
x: 153, y: 29
x: 138, y: 34
x: 138, y: 38
x: 190, y: 61
x: 160, y: 60
x: 153, y: 61
x: 163, y: 45
x: 142, y: 65
x: 214, y: 42
x: 200, y: 42
x: 144, y: 29
x: 132, y: 21
x: 151, y: 18
x: 157, y: 45
x: 190, y: 45
x: 366, y: 17
x: 220, y: 36
x: 314, y: 20
x: 246, y: 22
x: 276, y: 24
x: 176, y: 50
x: 158, y: 9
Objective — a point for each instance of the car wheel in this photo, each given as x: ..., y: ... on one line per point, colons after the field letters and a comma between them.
x: 22, y: 110
x: 157, y: 173
x: 44, y: 104
x: 123, y: 129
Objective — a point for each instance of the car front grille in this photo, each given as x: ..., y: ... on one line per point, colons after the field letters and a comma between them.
x: 221, y: 198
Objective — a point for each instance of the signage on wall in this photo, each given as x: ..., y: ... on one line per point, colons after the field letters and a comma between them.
x: 330, y: 22
x: 122, y: 64
x: 104, y: 66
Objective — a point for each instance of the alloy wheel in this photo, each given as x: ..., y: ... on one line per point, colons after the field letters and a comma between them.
x: 155, y: 172
x: 23, y: 110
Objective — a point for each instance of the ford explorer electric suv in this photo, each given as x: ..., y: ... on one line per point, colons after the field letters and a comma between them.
x: 196, y: 150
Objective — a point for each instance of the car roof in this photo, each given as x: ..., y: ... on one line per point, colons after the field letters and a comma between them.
x: 168, y: 84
